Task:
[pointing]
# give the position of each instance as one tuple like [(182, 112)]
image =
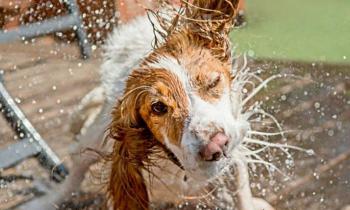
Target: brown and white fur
[(172, 112)]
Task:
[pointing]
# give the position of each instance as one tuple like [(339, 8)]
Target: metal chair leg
[(84, 45), (31, 137), (72, 20)]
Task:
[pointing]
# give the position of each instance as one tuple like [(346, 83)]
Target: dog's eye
[(159, 108), (215, 82)]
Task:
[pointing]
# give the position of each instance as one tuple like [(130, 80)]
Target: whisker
[(253, 162), (260, 87), (245, 62), (269, 166), (243, 83), (256, 77), (262, 112), (250, 152), (276, 145), (259, 133)]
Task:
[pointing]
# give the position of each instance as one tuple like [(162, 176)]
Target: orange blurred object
[(241, 5), (128, 9), (10, 11)]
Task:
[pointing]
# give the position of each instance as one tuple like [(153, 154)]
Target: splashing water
[(257, 141)]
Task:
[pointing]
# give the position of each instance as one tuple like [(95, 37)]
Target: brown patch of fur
[(127, 187), (199, 62), (137, 133), (209, 76), (164, 87)]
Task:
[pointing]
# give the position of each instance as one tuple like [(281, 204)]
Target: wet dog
[(171, 113)]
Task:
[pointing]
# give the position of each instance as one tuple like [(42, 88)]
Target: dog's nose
[(215, 149)]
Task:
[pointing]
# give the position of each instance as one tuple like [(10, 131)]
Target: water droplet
[(251, 53), (310, 152), (18, 101), (289, 162), (317, 105), (331, 133)]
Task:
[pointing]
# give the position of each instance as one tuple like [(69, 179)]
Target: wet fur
[(134, 143), (135, 147)]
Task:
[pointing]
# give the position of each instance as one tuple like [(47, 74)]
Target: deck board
[(47, 79)]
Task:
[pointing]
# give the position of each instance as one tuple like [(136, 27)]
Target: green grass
[(311, 30)]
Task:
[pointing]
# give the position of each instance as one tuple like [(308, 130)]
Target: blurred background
[(47, 77)]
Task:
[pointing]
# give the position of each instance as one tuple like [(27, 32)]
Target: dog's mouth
[(172, 157)]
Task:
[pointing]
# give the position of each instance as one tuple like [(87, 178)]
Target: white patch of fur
[(127, 46), (207, 119)]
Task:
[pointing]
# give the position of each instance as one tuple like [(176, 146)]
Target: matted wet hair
[(209, 20)]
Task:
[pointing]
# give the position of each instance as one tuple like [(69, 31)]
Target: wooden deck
[(47, 80)]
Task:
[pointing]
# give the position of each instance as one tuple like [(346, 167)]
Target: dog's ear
[(126, 187), (211, 21), (132, 146)]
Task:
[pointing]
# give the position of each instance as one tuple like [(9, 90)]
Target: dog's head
[(179, 99)]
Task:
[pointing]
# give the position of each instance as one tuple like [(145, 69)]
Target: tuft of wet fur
[(206, 21)]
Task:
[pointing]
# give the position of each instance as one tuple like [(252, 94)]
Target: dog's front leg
[(245, 196)]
